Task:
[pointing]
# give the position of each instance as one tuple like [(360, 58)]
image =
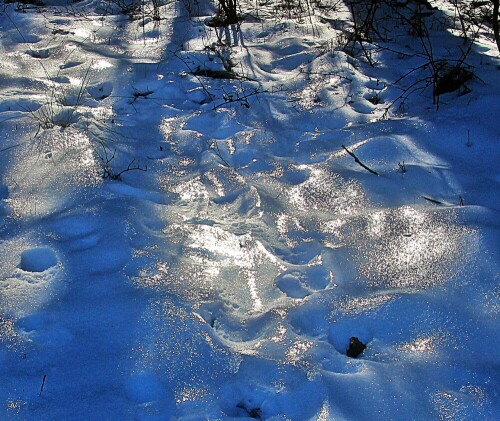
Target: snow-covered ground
[(177, 246)]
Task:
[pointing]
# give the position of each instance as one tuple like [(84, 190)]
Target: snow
[(183, 247), (37, 259)]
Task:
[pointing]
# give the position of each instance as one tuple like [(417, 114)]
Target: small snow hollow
[(38, 259)]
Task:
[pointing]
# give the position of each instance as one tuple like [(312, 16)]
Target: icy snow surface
[(175, 246)]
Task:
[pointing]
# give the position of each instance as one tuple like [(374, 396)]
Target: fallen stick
[(43, 384), (437, 202), (356, 159)]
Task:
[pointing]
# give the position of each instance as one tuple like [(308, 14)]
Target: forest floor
[(195, 221)]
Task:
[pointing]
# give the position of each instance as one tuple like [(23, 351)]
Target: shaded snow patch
[(38, 259)]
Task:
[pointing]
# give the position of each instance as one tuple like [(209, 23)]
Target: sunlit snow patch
[(227, 258), (101, 65), (28, 276), (58, 161), (326, 191), (411, 247)]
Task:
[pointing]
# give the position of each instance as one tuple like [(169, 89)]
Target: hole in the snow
[(38, 259)]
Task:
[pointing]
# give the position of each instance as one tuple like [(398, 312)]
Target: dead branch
[(356, 159)]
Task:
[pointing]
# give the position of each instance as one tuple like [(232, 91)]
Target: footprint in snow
[(231, 328), (152, 398), (373, 98), (362, 106), (291, 285), (60, 79), (27, 39), (375, 84), (302, 254), (42, 328), (264, 391), (75, 226), (41, 54), (106, 256), (38, 259), (80, 230), (100, 91), (62, 116), (146, 387), (310, 319), (300, 284)]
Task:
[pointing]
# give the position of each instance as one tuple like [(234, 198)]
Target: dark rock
[(355, 348)]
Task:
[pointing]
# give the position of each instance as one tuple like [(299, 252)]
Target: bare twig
[(10, 147), (215, 147), (356, 159), (240, 97), (43, 384)]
